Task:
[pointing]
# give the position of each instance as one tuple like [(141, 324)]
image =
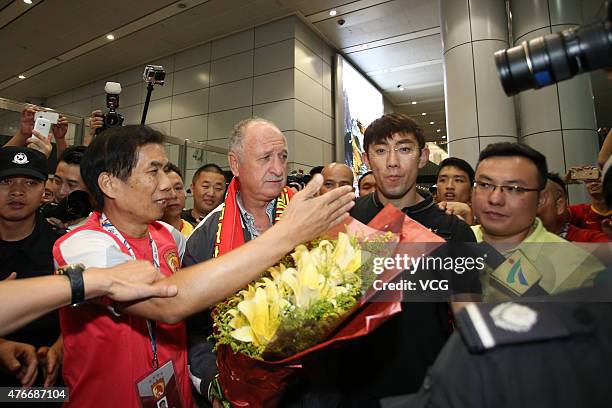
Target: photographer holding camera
[(71, 203), (95, 122)]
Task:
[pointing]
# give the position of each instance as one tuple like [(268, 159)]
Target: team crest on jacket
[(172, 260)]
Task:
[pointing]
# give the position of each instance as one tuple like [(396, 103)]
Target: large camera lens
[(112, 119), (546, 60), (76, 205)]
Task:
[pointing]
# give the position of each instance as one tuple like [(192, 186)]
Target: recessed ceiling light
[(22, 76), (401, 88), (27, 1), (438, 130), (443, 136), (431, 123), (423, 114), (414, 102), (333, 12), (110, 37)]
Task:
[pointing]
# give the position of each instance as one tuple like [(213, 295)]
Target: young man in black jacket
[(394, 359)]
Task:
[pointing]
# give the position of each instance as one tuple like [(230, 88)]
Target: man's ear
[(561, 205), (108, 184), (364, 157), (541, 198), (232, 158), (424, 158)]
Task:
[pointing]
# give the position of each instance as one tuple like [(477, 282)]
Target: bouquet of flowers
[(314, 297)]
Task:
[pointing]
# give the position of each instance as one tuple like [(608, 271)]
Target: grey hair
[(235, 139)]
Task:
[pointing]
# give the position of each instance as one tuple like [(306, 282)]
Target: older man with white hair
[(255, 200)]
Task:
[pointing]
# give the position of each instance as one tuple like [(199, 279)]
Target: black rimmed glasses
[(509, 190)]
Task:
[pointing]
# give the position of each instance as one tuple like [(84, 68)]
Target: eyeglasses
[(512, 191), (404, 151)]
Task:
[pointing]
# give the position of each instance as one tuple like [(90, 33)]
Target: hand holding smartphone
[(52, 117), (43, 126), (584, 174)]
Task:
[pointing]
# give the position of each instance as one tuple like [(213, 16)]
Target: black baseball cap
[(22, 161)]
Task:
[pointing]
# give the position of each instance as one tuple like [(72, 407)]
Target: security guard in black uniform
[(524, 355), (26, 242)]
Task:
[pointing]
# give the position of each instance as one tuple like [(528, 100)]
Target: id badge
[(159, 389)]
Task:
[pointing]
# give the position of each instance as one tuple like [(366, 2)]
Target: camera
[(154, 74), (556, 57), (75, 206), (112, 118), (341, 22)]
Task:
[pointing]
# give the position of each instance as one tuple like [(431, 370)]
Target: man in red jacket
[(555, 215), (591, 216)]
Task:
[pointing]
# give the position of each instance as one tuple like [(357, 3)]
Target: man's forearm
[(60, 145), (27, 299), (17, 140), (203, 285)]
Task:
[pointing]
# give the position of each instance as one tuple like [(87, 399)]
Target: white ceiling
[(394, 42)]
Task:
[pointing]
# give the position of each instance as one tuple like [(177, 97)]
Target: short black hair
[(73, 155), (115, 151), (556, 178), (171, 167), (460, 164), (507, 149), (387, 125), (316, 170), (210, 168), (367, 173)]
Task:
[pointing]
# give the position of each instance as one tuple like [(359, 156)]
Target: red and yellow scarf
[(229, 230)]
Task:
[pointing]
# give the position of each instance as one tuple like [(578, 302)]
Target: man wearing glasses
[(394, 359), (508, 185)]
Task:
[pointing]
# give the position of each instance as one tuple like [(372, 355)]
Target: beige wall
[(280, 71)]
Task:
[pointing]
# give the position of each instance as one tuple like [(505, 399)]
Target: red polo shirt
[(105, 355), (585, 216), (575, 234)]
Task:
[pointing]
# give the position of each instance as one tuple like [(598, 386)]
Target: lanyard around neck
[(108, 226)]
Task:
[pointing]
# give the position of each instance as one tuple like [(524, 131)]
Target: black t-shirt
[(394, 359), (187, 216), (32, 257)]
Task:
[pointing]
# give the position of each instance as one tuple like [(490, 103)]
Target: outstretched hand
[(308, 215), (133, 280)]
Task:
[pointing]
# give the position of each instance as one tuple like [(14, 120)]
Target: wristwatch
[(74, 273)]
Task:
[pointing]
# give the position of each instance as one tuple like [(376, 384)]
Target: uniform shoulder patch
[(487, 326)]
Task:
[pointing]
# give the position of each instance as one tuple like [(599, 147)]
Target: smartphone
[(52, 117), (43, 126), (584, 173)]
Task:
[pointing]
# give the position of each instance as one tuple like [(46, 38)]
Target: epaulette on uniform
[(488, 326)]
